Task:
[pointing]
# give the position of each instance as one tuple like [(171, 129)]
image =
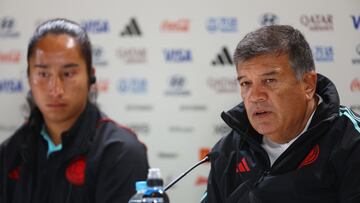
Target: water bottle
[(155, 192), (140, 189)]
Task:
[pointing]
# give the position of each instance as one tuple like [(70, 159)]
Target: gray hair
[(277, 39)]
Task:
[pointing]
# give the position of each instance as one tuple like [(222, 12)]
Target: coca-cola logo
[(355, 85)]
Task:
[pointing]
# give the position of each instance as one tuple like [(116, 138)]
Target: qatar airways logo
[(317, 22), (355, 85), (10, 57), (132, 55), (223, 84), (180, 25)]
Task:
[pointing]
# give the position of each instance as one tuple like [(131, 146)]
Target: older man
[(291, 141)]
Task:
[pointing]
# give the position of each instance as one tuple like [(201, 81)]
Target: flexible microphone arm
[(207, 158)]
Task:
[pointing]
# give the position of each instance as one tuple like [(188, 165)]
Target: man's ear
[(309, 84)]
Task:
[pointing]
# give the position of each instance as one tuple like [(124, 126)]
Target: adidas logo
[(223, 58), (131, 29), (242, 167)]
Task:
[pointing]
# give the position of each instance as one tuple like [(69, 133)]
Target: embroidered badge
[(311, 157), (75, 172), (15, 174)]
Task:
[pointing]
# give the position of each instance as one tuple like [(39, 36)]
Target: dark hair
[(60, 26), (277, 39)]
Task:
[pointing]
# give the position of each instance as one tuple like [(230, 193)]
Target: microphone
[(206, 159)]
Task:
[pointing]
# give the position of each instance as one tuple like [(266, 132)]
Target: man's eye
[(268, 81), (43, 74), (244, 84), (68, 74)]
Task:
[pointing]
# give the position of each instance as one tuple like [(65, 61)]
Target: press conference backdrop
[(165, 68)]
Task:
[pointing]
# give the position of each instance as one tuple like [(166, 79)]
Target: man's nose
[(56, 86), (257, 93)]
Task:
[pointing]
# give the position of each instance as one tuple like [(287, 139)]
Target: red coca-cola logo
[(355, 85)]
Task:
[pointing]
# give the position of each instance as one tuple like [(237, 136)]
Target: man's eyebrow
[(40, 65), (240, 77), (71, 65), (274, 72)]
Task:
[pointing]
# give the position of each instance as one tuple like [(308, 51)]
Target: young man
[(68, 151), (291, 140)]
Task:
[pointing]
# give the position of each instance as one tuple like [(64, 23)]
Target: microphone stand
[(186, 172)]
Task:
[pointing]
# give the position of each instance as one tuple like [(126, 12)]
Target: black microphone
[(207, 158)]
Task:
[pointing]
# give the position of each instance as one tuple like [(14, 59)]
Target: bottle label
[(153, 200)]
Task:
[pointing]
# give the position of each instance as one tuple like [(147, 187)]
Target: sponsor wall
[(165, 69)]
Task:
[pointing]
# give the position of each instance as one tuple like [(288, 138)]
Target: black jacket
[(322, 165), (99, 162)]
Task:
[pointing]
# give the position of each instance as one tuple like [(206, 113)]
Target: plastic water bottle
[(140, 189), (155, 191)]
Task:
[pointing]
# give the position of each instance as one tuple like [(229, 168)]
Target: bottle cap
[(154, 173)]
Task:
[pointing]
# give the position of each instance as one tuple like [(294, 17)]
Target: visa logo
[(95, 26), (11, 86), (356, 21), (177, 55)]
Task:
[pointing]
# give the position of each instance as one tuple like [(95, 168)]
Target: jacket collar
[(75, 141)]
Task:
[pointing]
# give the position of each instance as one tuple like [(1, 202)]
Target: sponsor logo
[(139, 107), (221, 129), (7, 27), (177, 55), (201, 180), (222, 24), (269, 19), (102, 85), (223, 85), (98, 56), (223, 58), (355, 107), (192, 107), (11, 86), (10, 57), (132, 55), (177, 86), (132, 85), (95, 26), (203, 152), (132, 29), (181, 129), (242, 166), (355, 85), (317, 22), (181, 25), (356, 21), (356, 60), (167, 155), (323, 53), (139, 128)]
